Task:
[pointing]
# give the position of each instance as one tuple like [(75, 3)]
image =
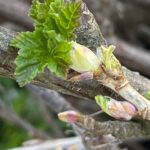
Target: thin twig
[(46, 114), (16, 12), (10, 116)]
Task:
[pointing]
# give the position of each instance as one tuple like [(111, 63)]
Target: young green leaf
[(63, 18), (49, 45)]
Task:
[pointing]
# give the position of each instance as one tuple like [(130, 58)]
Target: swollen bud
[(83, 59), (121, 110), (69, 116)]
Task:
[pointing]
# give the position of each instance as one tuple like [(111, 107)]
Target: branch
[(82, 89), (16, 11), (10, 116), (132, 57), (45, 113), (67, 143), (133, 28), (119, 129), (53, 100)]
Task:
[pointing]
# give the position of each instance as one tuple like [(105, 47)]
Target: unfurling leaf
[(49, 45), (110, 62), (121, 110)]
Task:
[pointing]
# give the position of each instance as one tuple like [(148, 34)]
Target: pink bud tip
[(69, 116)]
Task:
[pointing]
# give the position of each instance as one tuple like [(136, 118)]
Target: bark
[(16, 11), (120, 130), (53, 100), (86, 89), (67, 143)]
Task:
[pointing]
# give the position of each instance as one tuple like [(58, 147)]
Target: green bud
[(121, 110), (83, 59)]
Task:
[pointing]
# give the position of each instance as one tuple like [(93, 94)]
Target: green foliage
[(49, 45), (11, 136), (102, 101), (147, 95)]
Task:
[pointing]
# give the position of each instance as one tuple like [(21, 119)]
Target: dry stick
[(46, 114), (140, 83), (144, 3), (133, 57), (55, 102), (73, 143), (10, 116), (49, 118), (16, 11)]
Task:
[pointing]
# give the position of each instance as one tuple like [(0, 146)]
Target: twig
[(58, 104), (119, 129), (46, 114), (133, 57), (10, 116), (53, 100), (16, 11), (72, 143)]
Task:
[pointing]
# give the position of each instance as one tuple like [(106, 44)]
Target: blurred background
[(31, 113)]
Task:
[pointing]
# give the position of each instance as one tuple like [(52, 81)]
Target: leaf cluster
[(48, 46)]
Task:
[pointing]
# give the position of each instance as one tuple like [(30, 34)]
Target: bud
[(121, 110), (69, 116), (111, 63), (83, 59)]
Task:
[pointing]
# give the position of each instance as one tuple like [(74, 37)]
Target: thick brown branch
[(121, 130), (16, 11), (86, 89)]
